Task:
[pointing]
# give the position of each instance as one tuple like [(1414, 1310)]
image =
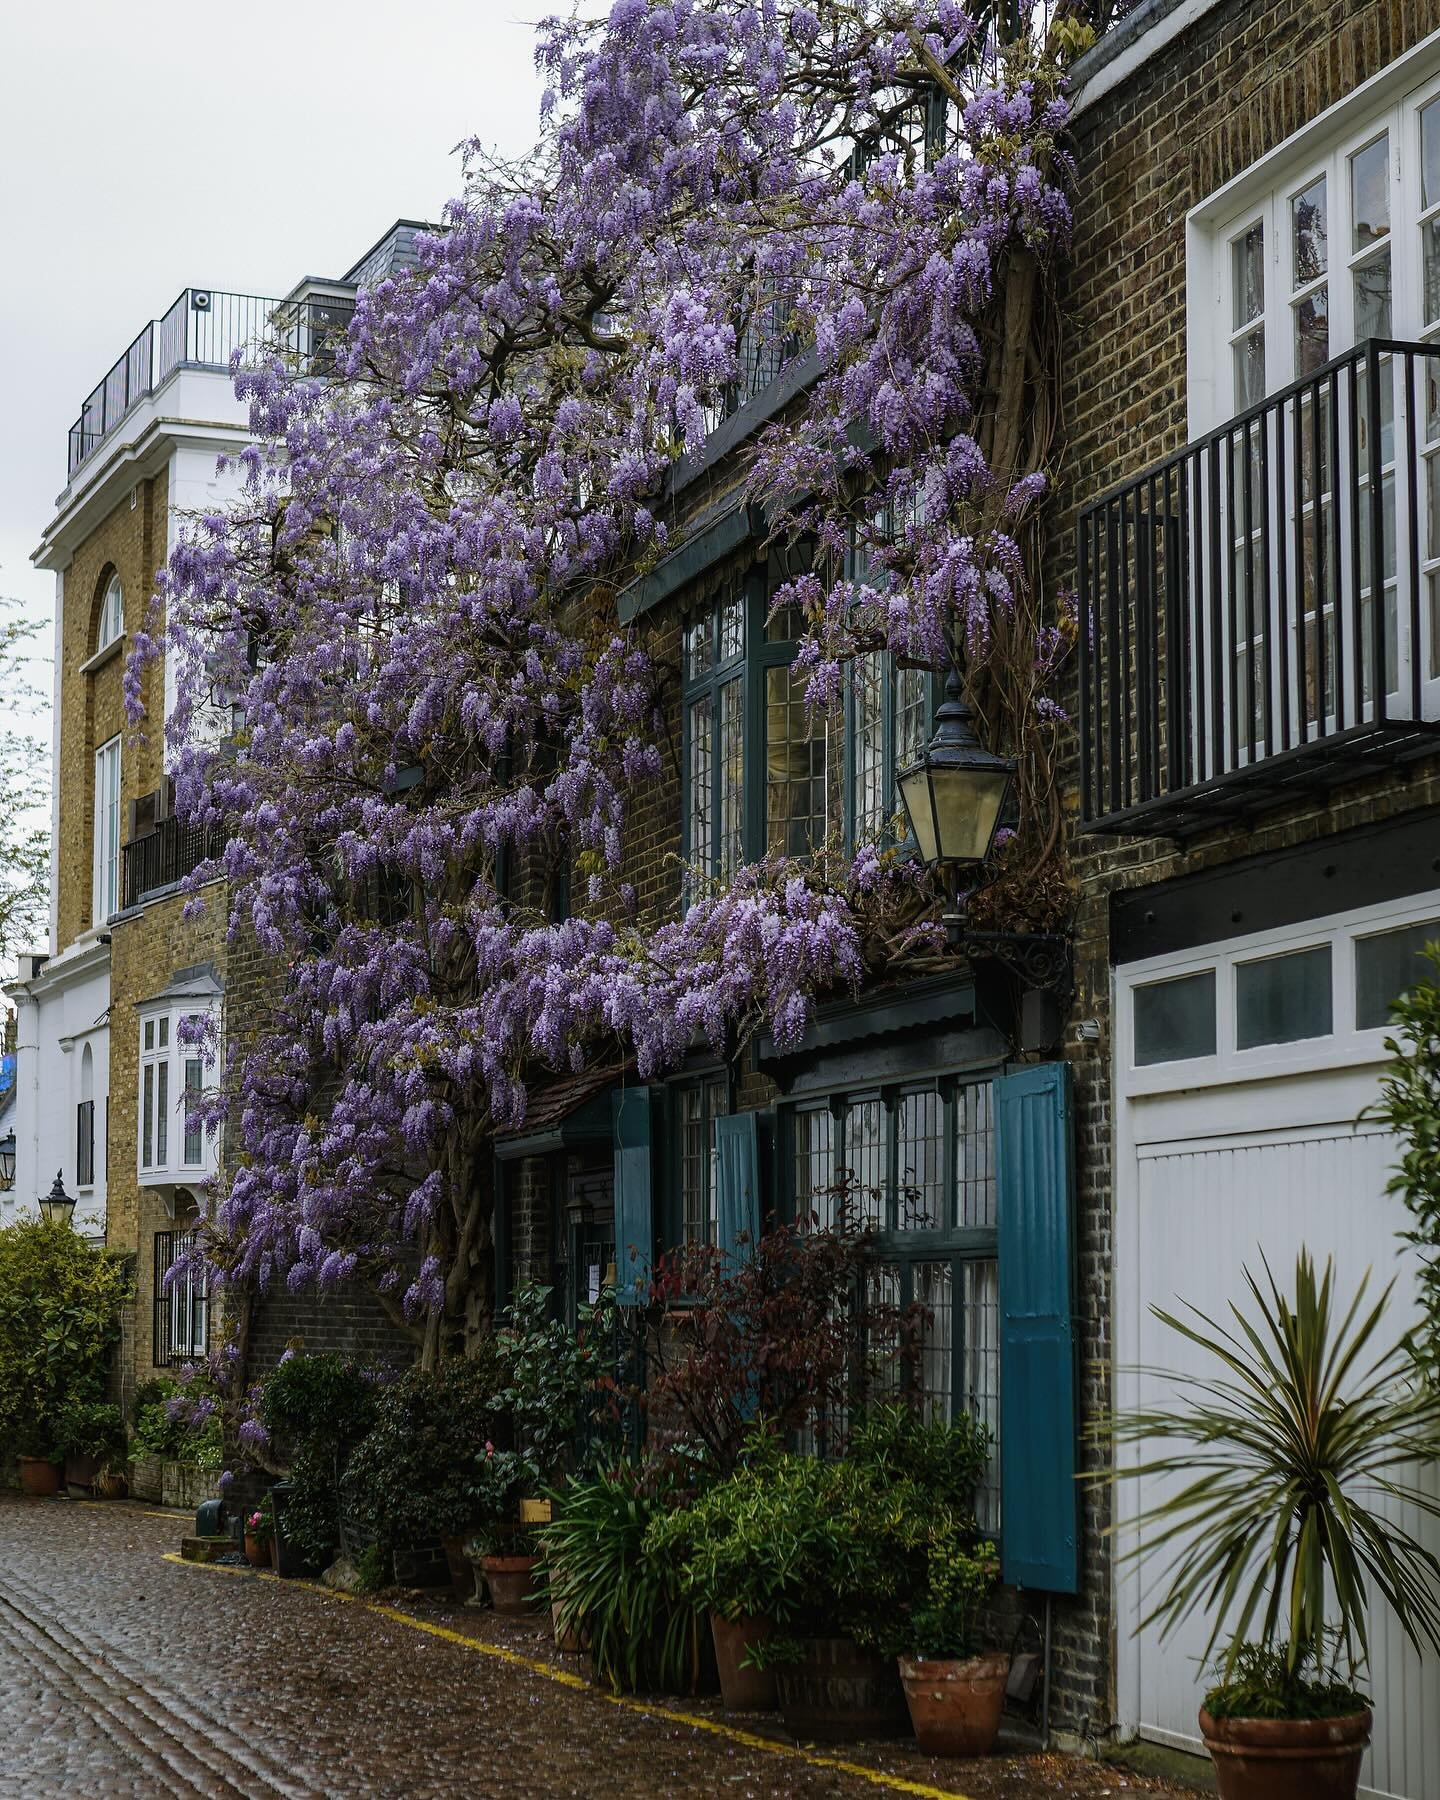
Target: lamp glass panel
[(967, 809), (915, 792)]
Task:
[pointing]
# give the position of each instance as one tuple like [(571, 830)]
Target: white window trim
[(1346, 1046), (1397, 90), (173, 1169), (105, 636), (106, 845)]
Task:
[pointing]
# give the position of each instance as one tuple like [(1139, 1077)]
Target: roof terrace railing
[(203, 330)]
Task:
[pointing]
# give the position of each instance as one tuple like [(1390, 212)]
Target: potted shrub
[(40, 1468), (60, 1308), (954, 1688), (416, 1479), (1276, 1461), (723, 1551), (626, 1604), (259, 1530), (90, 1434)]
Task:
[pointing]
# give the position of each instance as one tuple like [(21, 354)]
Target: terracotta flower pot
[(955, 1703), (510, 1579), (257, 1551), (743, 1689), (39, 1477), (1287, 1759), (840, 1691), (110, 1485)]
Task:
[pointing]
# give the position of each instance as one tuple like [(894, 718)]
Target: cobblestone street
[(122, 1673)]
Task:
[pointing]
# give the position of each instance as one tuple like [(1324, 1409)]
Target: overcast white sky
[(148, 147)]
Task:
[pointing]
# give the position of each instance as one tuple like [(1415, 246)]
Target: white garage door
[(1209, 1178)]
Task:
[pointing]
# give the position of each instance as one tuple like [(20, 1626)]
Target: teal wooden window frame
[(712, 1087), (715, 677), (967, 1252)]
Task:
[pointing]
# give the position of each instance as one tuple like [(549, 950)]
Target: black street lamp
[(57, 1206), (7, 1161), (955, 795)]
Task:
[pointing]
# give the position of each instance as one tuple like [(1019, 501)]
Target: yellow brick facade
[(130, 542)]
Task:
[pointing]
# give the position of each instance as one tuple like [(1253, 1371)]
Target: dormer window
[(112, 615)]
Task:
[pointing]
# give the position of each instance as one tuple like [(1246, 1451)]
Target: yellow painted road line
[(750, 1740)]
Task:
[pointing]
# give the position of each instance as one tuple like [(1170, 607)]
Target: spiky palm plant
[(1286, 1456)]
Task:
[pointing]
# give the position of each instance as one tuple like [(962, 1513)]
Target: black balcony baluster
[(1259, 610)]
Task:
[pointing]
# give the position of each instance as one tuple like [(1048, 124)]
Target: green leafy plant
[(60, 1303), (260, 1524), (641, 1631), (1409, 1105), (419, 1474), (1264, 1681), (315, 1409), (880, 1546), (960, 1576), (1279, 1458), (179, 1421), (558, 1385), (91, 1428)]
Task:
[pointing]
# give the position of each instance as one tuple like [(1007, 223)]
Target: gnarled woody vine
[(400, 676)]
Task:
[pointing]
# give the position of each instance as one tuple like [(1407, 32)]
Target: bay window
[(173, 1142)]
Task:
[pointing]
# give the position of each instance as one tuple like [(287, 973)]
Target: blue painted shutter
[(737, 1185), (1035, 1184), (632, 1115)]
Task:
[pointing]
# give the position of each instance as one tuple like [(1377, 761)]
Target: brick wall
[(147, 949), (1235, 84), (129, 542)]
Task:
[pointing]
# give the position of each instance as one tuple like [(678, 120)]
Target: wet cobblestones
[(122, 1674)]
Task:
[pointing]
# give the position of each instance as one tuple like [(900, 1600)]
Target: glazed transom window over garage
[(915, 1162), (1316, 995)]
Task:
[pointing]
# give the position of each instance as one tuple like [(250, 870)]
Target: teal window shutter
[(632, 1115), (737, 1185), (1035, 1185)]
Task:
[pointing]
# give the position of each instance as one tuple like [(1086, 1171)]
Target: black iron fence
[(204, 329), (161, 857), (1260, 612)]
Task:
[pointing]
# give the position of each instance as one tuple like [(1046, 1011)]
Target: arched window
[(112, 614), (85, 1123)]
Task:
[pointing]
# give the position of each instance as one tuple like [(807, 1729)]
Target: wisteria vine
[(405, 704)]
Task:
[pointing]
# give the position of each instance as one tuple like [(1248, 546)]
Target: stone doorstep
[(205, 1549)]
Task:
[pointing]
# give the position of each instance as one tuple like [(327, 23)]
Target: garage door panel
[(1201, 1208)]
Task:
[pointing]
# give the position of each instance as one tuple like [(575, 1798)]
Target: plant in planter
[(626, 1604), (796, 1335), (314, 1410), (417, 1477), (954, 1687), (259, 1531), (836, 1558), (60, 1305), (1279, 1459), (90, 1435)]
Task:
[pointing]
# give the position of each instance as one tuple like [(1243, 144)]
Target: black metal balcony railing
[(203, 329), (163, 856), (1230, 635)]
